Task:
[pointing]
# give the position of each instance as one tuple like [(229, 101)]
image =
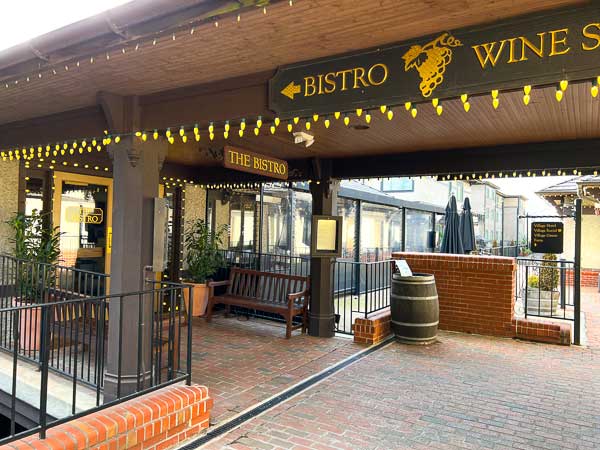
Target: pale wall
[(590, 241), (9, 202)]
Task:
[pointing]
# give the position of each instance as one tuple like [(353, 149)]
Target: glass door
[(82, 207)]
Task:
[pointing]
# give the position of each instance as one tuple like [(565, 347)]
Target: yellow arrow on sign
[(291, 89)]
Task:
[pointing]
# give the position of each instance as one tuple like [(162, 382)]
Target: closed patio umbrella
[(467, 229), (452, 240)]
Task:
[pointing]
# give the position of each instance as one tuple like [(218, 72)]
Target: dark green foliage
[(202, 246), (549, 273)]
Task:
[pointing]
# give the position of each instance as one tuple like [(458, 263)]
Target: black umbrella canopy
[(467, 229), (452, 240)]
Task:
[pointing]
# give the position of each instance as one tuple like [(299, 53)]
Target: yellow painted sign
[(82, 214), (246, 161)]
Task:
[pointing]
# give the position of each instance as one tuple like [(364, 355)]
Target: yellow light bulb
[(413, 113), (368, 118), (184, 138), (559, 95), (168, 133), (211, 128), (259, 122), (359, 112), (256, 131), (226, 134), (383, 109), (307, 125), (243, 124), (290, 127), (144, 137), (526, 99), (464, 98), (390, 114), (495, 93), (277, 121), (227, 126), (197, 137), (315, 117), (118, 139), (171, 140), (327, 123), (439, 110), (272, 129), (241, 132), (563, 85), (71, 151), (435, 102), (346, 120), (496, 103), (467, 106), (594, 90), (181, 132), (337, 115), (65, 146), (211, 136), (138, 133), (296, 120), (407, 106)]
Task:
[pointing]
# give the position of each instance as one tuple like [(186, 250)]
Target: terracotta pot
[(200, 296), (30, 327)]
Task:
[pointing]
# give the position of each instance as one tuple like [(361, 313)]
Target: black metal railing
[(543, 290), (359, 289), (512, 251), (30, 283), (72, 341), (268, 262)]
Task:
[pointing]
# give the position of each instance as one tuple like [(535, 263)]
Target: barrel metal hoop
[(405, 324), (402, 297)]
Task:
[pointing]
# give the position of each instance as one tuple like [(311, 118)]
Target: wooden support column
[(322, 314), (136, 169)]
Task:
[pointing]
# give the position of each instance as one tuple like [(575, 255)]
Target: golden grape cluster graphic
[(430, 61)]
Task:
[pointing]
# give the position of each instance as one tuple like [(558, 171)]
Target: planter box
[(543, 303)]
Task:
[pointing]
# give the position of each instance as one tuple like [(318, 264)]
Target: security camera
[(302, 137)]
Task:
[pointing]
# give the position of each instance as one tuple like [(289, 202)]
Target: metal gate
[(550, 287)]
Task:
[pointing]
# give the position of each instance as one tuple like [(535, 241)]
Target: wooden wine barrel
[(415, 308)]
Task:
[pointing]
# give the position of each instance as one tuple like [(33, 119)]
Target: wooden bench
[(278, 293)]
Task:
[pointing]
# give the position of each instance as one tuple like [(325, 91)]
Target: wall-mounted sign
[(246, 161), (547, 237), (326, 236), (538, 49), (83, 214)]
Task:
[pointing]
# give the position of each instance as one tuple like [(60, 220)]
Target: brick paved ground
[(463, 392), (245, 362)]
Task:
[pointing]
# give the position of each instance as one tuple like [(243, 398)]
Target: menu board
[(547, 237)]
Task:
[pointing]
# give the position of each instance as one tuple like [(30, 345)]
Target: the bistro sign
[(246, 161), (532, 50)]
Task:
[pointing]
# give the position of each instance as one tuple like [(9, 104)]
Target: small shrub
[(549, 274), (533, 281)]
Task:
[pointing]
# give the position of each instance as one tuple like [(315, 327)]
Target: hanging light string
[(248, 127), (168, 35)]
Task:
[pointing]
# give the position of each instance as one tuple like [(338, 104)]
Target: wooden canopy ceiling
[(178, 81)]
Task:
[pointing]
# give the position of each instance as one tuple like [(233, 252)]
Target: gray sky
[(23, 20), (527, 187)]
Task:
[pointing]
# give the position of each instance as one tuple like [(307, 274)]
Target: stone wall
[(9, 201)]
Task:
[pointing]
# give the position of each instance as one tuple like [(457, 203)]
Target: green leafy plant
[(37, 249), (549, 274), (533, 281), (202, 246)]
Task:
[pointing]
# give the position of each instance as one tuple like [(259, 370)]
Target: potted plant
[(37, 249), (543, 296), (202, 260)]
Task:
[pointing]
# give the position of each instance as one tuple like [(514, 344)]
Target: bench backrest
[(265, 286)]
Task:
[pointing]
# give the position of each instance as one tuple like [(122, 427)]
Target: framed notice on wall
[(326, 236)]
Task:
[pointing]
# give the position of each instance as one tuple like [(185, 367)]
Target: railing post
[(366, 289), (526, 287), (577, 271), (563, 284), (45, 345), (188, 380)]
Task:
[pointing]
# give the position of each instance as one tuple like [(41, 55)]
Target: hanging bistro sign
[(537, 49), (547, 237), (246, 161)]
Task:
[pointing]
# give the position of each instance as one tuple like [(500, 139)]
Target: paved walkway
[(466, 391), (244, 362)]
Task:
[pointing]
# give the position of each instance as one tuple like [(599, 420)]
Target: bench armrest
[(218, 283), (296, 295)]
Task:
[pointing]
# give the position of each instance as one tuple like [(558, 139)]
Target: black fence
[(267, 262), (512, 251), (68, 336), (545, 288), (359, 289)]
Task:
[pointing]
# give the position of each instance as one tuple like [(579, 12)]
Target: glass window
[(242, 216), (380, 231), (34, 195), (418, 226), (276, 220), (347, 209), (302, 223), (398, 185)]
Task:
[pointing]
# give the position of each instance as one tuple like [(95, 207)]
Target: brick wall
[(589, 277), (476, 293), (159, 420), (374, 328)]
